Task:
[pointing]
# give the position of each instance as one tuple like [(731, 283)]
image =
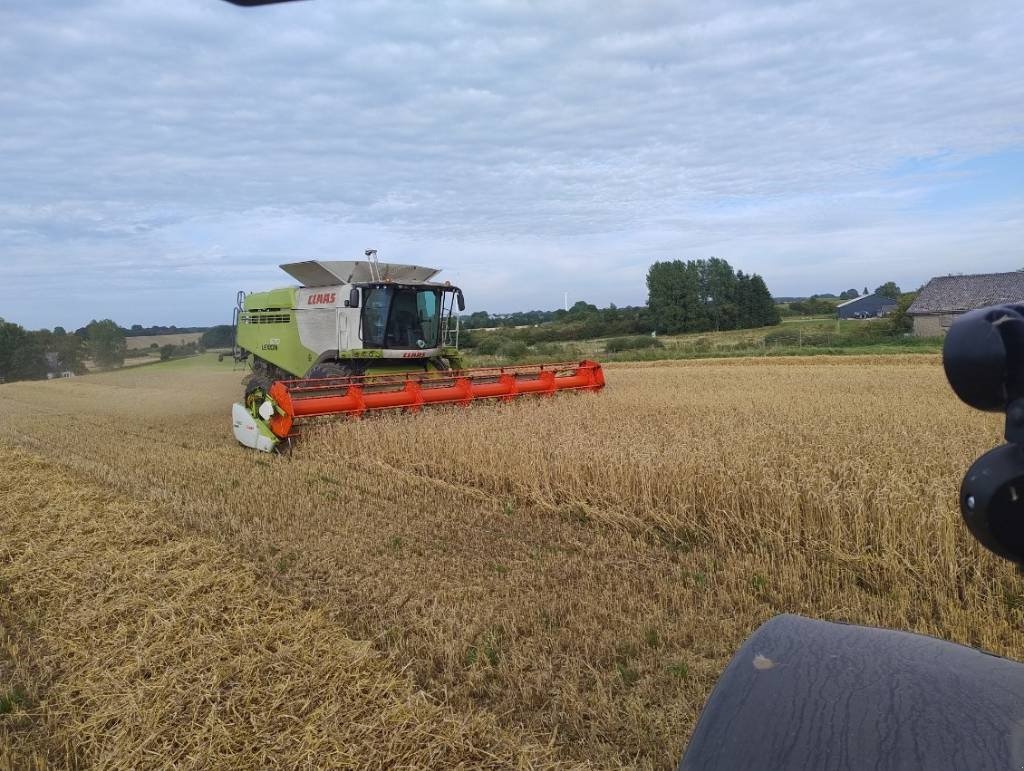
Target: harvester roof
[(332, 272)]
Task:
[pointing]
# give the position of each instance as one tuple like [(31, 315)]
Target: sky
[(157, 157)]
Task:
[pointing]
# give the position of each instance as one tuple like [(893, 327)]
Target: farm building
[(946, 297), (867, 306), (55, 367)]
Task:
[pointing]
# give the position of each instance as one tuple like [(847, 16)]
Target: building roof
[(864, 297), (953, 294), (847, 302)]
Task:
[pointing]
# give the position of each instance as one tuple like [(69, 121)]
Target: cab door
[(342, 340)]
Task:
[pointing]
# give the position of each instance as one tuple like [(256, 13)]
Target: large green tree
[(106, 343), (21, 356), (70, 350), (220, 336), (813, 306), (718, 284), (744, 301), (674, 299), (703, 295), (901, 321), (890, 290), (763, 310)]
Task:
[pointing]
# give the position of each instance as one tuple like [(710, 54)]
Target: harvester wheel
[(265, 370), (333, 369), (256, 391)]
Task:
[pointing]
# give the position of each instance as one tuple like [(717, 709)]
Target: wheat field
[(546, 583)]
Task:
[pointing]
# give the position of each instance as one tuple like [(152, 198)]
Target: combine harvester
[(366, 336)]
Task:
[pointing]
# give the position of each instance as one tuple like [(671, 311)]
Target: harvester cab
[(359, 336), (345, 317)]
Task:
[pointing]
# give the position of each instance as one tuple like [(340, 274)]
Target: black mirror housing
[(983, 355), (992, 501)]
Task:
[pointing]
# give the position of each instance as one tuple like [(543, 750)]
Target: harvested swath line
[(161, 650), (25, 741)]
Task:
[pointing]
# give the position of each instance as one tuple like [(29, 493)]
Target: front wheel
[(256, 391), (333, 369)]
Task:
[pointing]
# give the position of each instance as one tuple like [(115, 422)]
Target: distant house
[(55, 368), (946, 297), (53, 364), (867, 306)]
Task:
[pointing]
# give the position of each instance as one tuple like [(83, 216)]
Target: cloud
[(181, 150)]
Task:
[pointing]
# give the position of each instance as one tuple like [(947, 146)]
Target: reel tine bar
[(355, 395)]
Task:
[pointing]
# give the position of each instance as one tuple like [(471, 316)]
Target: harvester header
[(288, 403), (361, 336)]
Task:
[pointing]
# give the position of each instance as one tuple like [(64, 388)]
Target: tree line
[(583, 321), (825, 305), (707, 295), (41, 353), (137, 330), (34, 354), (683, 296)]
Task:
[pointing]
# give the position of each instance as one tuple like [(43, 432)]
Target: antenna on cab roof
[(371, 255)]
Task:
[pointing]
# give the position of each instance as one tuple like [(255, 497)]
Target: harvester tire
[(265, 370), (332, 369), (256, 390)]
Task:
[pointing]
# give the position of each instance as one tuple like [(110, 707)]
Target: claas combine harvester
[(365, 336)]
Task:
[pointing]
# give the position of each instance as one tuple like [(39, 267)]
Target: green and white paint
[(385, 315)]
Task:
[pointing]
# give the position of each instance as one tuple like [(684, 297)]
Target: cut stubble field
[(554, 582)]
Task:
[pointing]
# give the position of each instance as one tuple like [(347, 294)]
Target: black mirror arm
[(1014, 429)]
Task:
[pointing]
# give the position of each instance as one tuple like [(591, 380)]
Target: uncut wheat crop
[(549, 582)]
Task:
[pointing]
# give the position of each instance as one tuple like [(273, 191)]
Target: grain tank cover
[(333, 272)]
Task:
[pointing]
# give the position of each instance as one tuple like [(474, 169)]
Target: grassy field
[(147, 341), (542, 583), (793, 337)]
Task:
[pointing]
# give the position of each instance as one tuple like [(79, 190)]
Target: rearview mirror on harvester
[(460, 300), (353, 298), (983, 356)]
